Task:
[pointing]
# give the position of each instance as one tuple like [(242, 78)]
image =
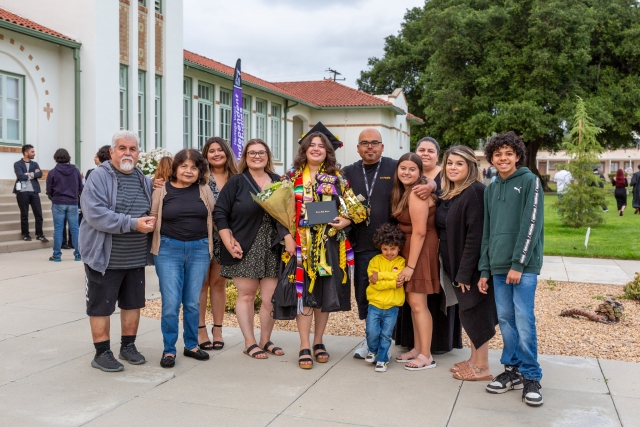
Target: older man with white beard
[(115, 248)]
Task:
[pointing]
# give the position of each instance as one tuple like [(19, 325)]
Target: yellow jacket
[(384, 294)]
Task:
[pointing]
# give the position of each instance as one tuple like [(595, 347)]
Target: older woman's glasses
[(256, 154), (369, 143)]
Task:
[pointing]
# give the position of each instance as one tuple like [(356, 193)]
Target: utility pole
[(335, 74)]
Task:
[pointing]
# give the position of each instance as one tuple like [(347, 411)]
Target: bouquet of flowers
[(355, 209), (278, 200), (148, 162)]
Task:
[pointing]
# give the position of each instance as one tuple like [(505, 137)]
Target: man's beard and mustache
[(127, 164)]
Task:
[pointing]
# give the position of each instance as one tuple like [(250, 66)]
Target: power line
[(335, 74)]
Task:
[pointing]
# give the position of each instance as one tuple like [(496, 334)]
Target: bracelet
[(410, 267)]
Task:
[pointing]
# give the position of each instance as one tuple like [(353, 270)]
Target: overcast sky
[(290, 40)]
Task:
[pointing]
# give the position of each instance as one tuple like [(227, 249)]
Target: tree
[(473, 68), (581, 205)]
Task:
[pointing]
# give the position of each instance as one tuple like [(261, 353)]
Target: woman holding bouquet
[(222, 166), (324, 252), (250, 238)]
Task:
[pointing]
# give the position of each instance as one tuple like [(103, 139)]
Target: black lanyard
[(373, 182)]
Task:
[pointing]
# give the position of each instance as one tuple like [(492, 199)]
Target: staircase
[(10, 235)]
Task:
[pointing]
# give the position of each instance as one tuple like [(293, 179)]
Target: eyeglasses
[(256, 154), (373, 144)]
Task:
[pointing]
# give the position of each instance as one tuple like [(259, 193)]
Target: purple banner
[(237, 115)]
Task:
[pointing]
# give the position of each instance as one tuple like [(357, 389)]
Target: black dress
[(447, 330), (477, 311), (620, 193), (635, 183)]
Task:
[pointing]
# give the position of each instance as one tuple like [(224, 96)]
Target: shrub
[(632, 289)]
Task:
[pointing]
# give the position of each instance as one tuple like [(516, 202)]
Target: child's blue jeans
[(518, 323), (380, 324)]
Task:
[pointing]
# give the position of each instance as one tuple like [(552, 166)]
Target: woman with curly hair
[(323, 277), (621, 183)]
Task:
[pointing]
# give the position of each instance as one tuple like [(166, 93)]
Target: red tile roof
[(327, 93), (5, 15), (415, 118)]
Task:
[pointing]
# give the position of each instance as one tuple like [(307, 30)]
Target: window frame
[(21, 109), (157, 5), (187, 95), (246, 112), (261, 117), (124, 97), (275, 131), (225, 115), (203, 105), (142, 109), (157, 110)]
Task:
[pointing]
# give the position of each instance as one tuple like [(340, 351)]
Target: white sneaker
[(370, 358), (361, 351), (381, 367)]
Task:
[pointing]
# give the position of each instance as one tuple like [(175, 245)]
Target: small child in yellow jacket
[(385, 293)]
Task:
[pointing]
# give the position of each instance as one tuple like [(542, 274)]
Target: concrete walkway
[(589, 270), (46, 378)]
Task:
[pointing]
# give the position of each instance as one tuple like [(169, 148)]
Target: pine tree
[(581, 204)]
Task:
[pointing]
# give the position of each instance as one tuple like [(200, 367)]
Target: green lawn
[(618, 237)]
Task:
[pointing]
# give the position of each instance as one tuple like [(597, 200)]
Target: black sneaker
[(168, 361), (198, 354), (531, 393), (26, 238), (106, 362), (131, 354), (510, 379), (43, 239)]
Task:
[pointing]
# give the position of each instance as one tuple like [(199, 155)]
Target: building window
[(205, 113), (261, 119), (123, 97), (142, 3), (246, 112), (275, 130), (186, 112), (11, 108), (158, 6), (614, 167), (158, 112), (142, 113), (225, 114), (553, 165)]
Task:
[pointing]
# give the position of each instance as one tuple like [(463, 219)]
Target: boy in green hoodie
[(512, 243)]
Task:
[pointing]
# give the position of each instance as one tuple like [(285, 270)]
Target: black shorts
[(125, 286)]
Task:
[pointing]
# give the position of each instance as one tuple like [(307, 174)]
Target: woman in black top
[(182, 247), (621, 184), (460, 220), (250, 238)]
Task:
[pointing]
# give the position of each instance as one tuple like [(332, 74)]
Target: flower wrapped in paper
[(277, 200), (355, 209)]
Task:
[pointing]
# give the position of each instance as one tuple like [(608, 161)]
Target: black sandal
[(305, 352), (207, 344), (257, 353), (216, 345), (273, 350), (321, 356)]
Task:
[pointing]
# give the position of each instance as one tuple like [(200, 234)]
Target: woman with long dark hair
[(620, 193), (416, 218), (323, 251), (460, 221), (222, 166), (251, 245)]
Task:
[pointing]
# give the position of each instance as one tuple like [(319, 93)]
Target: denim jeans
[(181, 268), (518, 323), (60, 214), (380, 324), (361, 280)]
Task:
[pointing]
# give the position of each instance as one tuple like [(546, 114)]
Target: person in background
[(460, 219), (621, 183), (251, 241), (163, 172), (512, 255), (635, 183), (385, 294), (182, 248), (27, 191), (222, 166), (562, 179), (484, 174), (101, 156), (64, 186), (600, 182), (115, 249)]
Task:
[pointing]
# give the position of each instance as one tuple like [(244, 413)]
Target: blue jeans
[(181, 268), (380, 324), (60, 213), (518, 323)]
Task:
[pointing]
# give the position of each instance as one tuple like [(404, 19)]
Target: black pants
[(26, 199), (361, 280), (66, 234)]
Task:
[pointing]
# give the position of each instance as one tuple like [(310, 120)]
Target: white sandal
[(427, 363)]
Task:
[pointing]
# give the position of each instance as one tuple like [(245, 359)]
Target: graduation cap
[(319, 127)]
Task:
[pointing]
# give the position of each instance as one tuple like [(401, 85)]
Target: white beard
[(126, 164)]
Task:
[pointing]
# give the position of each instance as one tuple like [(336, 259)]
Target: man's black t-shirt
[(380, 203)]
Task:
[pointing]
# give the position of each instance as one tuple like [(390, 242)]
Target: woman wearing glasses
[(249, 237)]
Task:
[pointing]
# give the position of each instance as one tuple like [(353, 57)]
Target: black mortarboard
[(319, 127)]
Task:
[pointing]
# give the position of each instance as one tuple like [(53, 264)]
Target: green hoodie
[(513, 234)]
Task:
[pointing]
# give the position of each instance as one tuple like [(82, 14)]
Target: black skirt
[(621, 196)]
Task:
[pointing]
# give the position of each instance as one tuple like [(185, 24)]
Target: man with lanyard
[(372, 182)]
